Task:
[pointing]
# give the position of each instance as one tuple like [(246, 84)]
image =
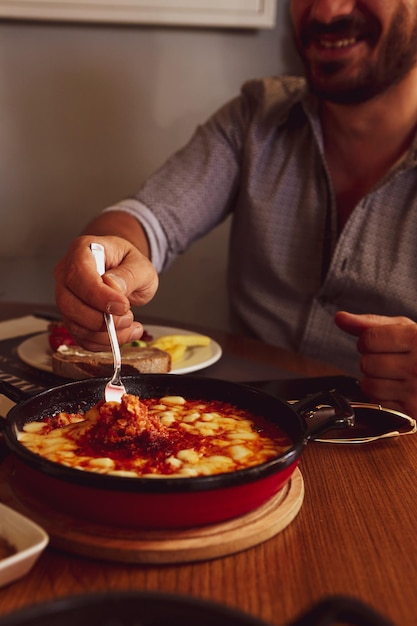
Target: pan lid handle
[(324, 411)]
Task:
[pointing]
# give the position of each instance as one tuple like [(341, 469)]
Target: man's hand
[(388, 348), (82, 295)]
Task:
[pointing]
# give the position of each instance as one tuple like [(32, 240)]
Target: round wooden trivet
[(77, 535)]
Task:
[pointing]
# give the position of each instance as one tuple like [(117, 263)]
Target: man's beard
[(396, 57)]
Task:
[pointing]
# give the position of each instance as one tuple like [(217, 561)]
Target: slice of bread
[(77, 363)]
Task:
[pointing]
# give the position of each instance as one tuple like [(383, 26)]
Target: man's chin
[(347, 93), (349, 97), (331, 86)]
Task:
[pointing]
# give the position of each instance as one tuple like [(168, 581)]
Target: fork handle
[(98, 252), (117, 357), (99, 256)]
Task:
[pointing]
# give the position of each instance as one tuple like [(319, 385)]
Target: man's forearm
[(120, 224)]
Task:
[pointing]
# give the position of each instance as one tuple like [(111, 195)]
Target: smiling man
[(320, 176)]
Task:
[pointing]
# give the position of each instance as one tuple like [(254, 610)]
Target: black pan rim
[(155, 485), (135, 600)]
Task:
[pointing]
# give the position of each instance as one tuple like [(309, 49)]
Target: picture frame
[(199, 13)]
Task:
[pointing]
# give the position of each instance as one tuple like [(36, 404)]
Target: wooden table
[(354, 535)]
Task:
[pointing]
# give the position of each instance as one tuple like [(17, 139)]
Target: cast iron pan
[(155, 609), (168, 502)]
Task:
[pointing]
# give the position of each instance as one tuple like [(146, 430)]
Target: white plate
[(28, 538), (36, 352)]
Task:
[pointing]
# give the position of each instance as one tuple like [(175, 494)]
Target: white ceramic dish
[(36, 352), (28, 538)]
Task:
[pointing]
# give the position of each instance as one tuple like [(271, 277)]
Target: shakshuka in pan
[(171, 436)]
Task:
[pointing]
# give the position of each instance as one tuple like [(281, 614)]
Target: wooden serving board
[(79, 536)]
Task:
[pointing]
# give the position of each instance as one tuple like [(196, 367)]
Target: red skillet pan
[(167, 502)]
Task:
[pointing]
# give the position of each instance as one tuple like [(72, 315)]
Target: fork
[(114, 389)]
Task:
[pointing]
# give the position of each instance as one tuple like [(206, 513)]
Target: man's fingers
[(355, 324), (396, 338), (83, 295), (385, 365), (97, 339), (388, 348), (379, 333), (134, 276), (129, 279)]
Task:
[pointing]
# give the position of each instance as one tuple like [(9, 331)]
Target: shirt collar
[(310, 104)]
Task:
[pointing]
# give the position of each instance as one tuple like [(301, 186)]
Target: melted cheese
[(159, 437)]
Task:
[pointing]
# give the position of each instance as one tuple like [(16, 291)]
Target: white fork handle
[(98, 252)]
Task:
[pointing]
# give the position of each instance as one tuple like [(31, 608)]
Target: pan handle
[(13, 393), (337, 609), (324, 411)]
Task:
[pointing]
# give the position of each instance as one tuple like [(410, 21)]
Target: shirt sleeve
[(203, 182), (155, 234), (195, 189)]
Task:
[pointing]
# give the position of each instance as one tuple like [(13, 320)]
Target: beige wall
[(87, 112)]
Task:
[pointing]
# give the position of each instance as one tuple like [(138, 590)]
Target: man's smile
[(339, 43)]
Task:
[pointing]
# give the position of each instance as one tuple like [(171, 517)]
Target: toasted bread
[(77, 363)]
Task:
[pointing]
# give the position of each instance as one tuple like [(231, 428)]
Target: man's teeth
[(340, 43)]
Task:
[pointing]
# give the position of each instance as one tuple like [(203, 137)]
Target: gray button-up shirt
[(261, 158)]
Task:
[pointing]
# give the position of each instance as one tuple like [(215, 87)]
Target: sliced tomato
[(59, 336)]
